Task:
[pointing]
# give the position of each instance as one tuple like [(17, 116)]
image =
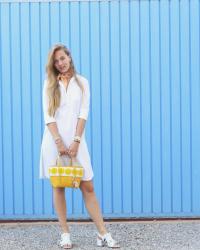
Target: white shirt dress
[(73, 105)]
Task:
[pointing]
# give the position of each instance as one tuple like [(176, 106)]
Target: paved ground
[(155, 235)]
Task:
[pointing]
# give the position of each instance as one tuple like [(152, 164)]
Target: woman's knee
[(87, 187)]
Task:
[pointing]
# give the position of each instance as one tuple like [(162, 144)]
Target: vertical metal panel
[(115, 132), (104, 40), (155, 107), (16, 111), (175, 107), (195, 90), (125, 106), (165, 107), (142, 59), (8, 202), (1, 134), (136, 109), (145, 118), (186, 108)]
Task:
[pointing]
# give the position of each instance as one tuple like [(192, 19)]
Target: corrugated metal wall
[(143, 132)]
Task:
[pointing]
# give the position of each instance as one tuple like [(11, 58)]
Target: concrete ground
[(142, 235)]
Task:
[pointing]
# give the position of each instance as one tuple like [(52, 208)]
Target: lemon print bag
[(66, 176)]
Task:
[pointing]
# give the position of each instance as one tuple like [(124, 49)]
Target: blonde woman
[(66, 99)]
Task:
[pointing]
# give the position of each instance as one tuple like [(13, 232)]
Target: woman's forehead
[(59, 53)]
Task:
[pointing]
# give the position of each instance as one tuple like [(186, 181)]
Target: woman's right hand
[(62, 149)]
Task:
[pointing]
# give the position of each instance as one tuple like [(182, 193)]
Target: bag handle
[(59, 163)]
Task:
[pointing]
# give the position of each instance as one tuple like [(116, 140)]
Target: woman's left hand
[(73, 149)]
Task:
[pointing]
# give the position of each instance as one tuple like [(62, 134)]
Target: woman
[(66, 98)]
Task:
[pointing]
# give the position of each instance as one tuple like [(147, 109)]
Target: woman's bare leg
[(60, 206), (92, 205)]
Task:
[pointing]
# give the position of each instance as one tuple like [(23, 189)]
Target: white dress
[(73, 105)]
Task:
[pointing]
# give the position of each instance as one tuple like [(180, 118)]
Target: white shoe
[(66, 241), (107, 240)]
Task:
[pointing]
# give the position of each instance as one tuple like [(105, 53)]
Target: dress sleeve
[(85, 102), (45, 101)]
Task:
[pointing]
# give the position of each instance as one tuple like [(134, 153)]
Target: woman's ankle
[(65, 230), (102, 232)]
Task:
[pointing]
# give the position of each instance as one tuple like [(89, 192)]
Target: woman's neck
[(66, 76)]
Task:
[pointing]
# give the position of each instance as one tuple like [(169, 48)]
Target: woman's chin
[(64, 71)]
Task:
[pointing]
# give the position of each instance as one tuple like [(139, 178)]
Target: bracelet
[(77, 138)]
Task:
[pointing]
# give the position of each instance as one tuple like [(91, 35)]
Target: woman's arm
[(73, 148), (83, 115), (80, 127), (53, 129), (62, 149)]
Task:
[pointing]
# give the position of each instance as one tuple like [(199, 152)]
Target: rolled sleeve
[(85, 102), (45, 99)]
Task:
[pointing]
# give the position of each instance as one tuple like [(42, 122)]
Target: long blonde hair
[(52, 89)]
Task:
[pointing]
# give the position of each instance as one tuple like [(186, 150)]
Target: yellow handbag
[(65, 176)]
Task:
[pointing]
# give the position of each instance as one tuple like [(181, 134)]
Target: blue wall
[(143, 132)]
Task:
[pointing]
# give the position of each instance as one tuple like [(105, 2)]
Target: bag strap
[(59, 162)]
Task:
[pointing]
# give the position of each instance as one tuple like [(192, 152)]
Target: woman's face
[(61, 61)]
